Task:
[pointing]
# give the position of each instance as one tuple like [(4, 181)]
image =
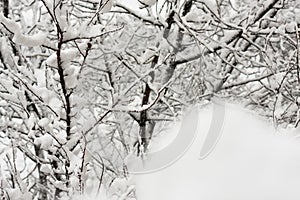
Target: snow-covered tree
[(83, 83)]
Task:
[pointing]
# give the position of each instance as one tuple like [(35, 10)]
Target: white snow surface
[(251, 160)]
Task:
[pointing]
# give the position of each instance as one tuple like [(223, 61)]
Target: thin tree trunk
[(5, 7)]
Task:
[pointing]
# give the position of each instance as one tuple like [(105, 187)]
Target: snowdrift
[(251, 161)]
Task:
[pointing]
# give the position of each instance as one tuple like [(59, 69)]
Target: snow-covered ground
[(250, 161)]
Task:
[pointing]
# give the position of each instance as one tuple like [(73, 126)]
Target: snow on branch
[(19, 38)]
